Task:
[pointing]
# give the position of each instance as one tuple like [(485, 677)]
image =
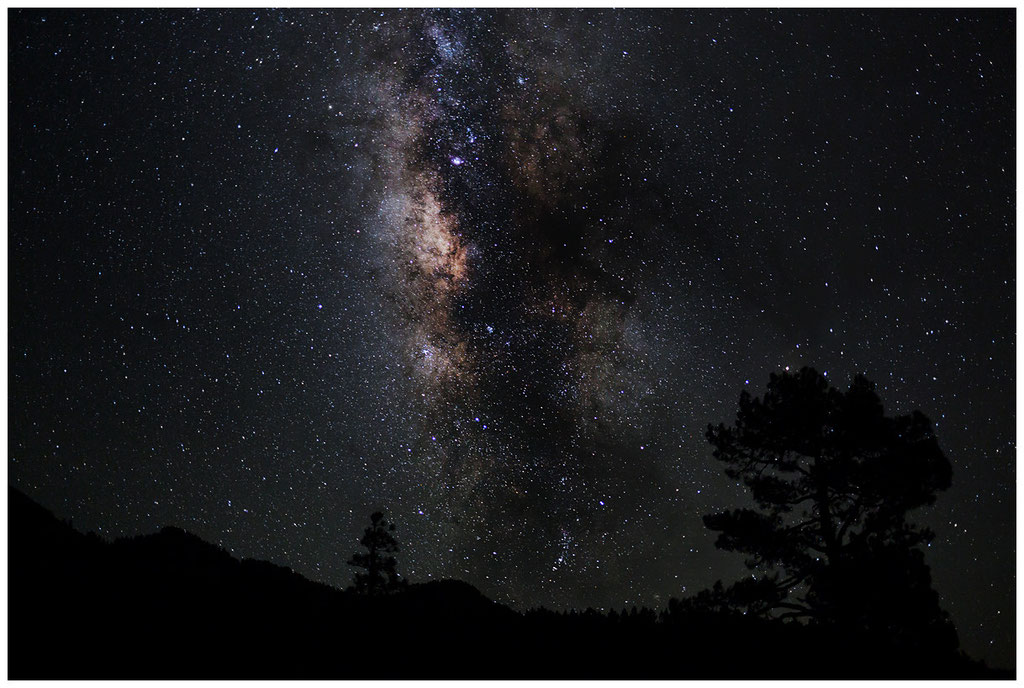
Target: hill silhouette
[(169, 605)]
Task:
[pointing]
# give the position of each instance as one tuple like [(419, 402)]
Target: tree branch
[(795, 607)]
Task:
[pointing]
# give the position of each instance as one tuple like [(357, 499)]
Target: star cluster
[(496, 271)]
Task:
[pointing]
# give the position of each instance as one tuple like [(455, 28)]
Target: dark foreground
[(172, 606)]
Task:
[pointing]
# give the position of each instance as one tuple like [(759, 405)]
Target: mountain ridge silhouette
[(171, 605)]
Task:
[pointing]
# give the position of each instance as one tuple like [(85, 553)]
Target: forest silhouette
[(838, 586)]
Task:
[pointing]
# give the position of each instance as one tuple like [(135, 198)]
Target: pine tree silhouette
[(832, 479), (380, 565)]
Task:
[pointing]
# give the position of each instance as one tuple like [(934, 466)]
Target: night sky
[(495, 273)]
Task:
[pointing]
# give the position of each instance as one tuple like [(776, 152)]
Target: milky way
[(515, 307), (495, 272)]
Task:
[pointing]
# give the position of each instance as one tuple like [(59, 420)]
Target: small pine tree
[(380, 575)]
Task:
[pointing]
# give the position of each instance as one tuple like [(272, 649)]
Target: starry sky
[(496, 271)]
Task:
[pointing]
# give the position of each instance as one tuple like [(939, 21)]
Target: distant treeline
[(172, 606)]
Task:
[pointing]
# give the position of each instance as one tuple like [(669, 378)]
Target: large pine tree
[(832, 479)]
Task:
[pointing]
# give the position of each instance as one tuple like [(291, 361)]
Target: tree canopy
[(832, 479)]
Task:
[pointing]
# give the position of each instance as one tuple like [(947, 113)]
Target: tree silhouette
[(380, 564), (832, 479)]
